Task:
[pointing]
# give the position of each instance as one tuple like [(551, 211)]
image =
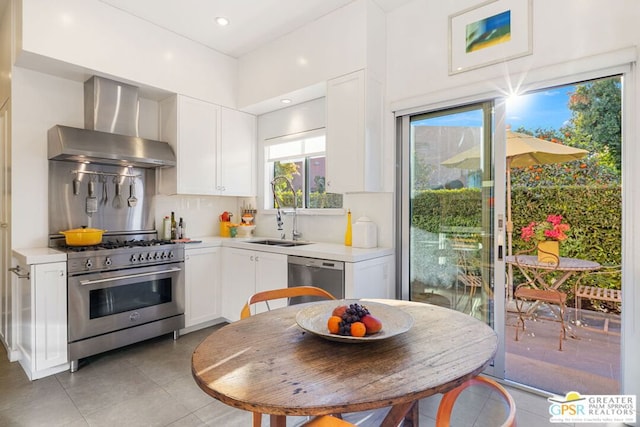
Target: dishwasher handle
[(316, 263)]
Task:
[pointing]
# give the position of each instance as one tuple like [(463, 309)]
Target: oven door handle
[(129, 276)]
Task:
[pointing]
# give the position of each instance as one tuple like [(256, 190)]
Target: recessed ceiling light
[(222, 21), (285, 101)]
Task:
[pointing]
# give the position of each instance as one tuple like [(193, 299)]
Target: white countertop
[(332, 251), (28, 256)]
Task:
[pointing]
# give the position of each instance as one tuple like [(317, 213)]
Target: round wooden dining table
[(266, 363)]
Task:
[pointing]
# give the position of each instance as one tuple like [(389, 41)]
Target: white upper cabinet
[(354, 133), (215, 148), (237, 153), (191, 127)]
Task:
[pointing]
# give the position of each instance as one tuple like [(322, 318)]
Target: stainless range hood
[(82, 145), (111, 129)]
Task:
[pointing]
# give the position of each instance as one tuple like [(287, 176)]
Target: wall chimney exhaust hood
[(92, 146), (111, 129)]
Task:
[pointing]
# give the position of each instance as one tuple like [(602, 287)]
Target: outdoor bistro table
[(531, 268), (266, 363)]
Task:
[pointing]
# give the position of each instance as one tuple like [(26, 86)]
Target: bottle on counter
[(180, 231), (348, 234), (166, 228), (174, 226)]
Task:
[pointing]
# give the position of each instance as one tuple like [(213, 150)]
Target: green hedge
[(594, 214), (433, 209)]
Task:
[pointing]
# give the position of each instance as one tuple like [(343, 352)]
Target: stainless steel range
[(131, 286), (127, 289)]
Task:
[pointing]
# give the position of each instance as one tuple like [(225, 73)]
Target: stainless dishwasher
[(321, 273)]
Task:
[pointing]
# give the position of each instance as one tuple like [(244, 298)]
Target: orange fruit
[(333, 324), (358, 329)]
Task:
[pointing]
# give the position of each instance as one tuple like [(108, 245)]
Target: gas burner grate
[(117, 244)]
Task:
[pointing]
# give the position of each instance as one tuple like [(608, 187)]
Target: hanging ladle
[(132, 201)]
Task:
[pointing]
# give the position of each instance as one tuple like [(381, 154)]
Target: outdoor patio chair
[(531, 291), (470, 276)]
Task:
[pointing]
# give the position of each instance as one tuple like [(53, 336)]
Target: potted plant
[(547, 235)]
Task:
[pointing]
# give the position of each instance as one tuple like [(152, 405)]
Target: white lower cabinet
[(202, 285), (373, 278), (41, 304), (246, 272)]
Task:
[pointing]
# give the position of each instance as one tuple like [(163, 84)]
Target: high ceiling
[(252, 22)]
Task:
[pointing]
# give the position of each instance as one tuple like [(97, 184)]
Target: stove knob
[(88, 264), (171, 255), (108, 262), (156, 255), (164, 255), (149, 256), (134, 258)]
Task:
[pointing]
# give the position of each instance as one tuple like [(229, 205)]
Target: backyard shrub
[(594, 214)]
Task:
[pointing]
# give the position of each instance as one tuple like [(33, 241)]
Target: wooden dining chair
[(327, 421), (443, 417), (274, 294), (445, 409)]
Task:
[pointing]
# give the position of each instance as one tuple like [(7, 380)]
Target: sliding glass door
[(449, 245)]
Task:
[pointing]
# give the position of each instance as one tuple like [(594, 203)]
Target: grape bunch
[(354, 313)]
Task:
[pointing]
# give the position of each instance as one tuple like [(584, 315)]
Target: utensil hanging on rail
[(91, 202), (117, 199), (132, 200), (76, 186), (105, 196)]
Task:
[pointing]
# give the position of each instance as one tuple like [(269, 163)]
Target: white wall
[(92, 35), (417, 46), (329, 47), (39, 101), (563, 32), (5, 51)]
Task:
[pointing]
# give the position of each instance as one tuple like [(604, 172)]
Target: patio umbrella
[(522, 150)]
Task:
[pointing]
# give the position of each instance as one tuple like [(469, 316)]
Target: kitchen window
[(300, 158)]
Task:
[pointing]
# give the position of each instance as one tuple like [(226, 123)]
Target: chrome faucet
[(295, 234)]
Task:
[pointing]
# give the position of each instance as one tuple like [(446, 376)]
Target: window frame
[(267, 171)]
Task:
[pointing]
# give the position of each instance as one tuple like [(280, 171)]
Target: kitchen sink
[(281, 243)]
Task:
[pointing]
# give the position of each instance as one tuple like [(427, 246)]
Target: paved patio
[(589, 362)]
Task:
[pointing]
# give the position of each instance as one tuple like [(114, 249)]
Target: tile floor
[(150, 384)]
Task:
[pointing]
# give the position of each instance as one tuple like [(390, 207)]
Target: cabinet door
[(191, 127), (355, 106), (345, 133), (50, 315), (271, 273), (197, 138), (236, 153), (202, 285), (373, 278), (238, 283)]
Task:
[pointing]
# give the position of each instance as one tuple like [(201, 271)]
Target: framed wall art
[(492, 32)]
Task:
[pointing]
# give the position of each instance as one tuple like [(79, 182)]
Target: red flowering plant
[(551, 229)]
